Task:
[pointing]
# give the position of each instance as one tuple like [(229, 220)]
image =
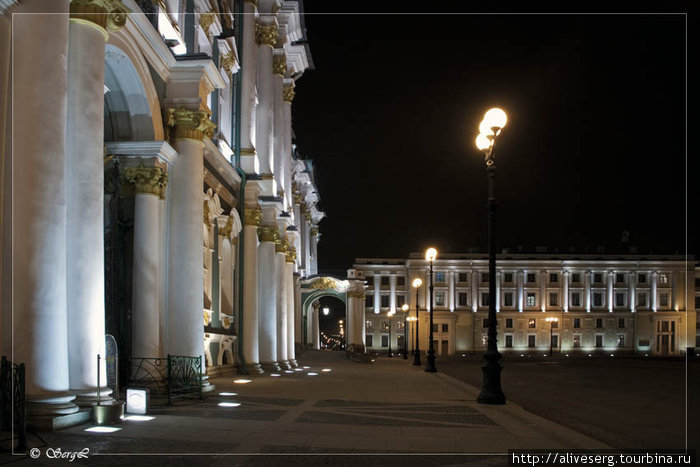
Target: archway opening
[(332, 323)]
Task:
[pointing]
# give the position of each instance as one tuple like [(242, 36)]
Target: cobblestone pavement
[(331, 412)]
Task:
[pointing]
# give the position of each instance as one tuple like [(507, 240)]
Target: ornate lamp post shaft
[(416, 351), (430, 365)]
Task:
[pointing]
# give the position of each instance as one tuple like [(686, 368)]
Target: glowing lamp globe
[(484, 128), (417, 282), (495, 118), (483, 142), (430, 254), (404, 307)]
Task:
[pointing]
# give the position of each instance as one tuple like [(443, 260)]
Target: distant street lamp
[(430, 255), (551, 320), (417, 282), (326, 310), (490, 127), (389, 315), (404, 308)]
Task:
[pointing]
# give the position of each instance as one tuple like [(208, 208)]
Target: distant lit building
[(642, 304)]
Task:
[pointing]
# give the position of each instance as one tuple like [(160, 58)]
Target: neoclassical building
[(151, 188), (642, 304)]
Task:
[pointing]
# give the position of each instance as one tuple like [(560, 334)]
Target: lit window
[(577, 341), (531, 299), (620, 340), (663, 279), (439, 277), (385, 325), (369, 325), (440, 298), (400, 325), (532, 323)]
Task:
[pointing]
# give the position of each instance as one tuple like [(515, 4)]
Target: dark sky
[(594, 146)]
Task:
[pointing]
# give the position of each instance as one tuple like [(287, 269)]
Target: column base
[(54, 412), (271, 366), (251, 368), (293, 363), (285, 365), (88, 397)]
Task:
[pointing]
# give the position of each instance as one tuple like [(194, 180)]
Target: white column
[(282, 296), (149, 186), (520, 284), (611, 278), (85, 192), (565, 292), (631, 283), (313, 255), (498, 291), (377, 292), (288, 96), (451, 290), (315, 337), (475, 290), (291, 308), (251, 220), (543, 290), (279, 69), (392, 292), (654, 281), (186, 273), (267, 291), (249, 59), (38, 204), (587, 290), (266, 38)]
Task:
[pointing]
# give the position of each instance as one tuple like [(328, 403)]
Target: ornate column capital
[(205, 21), (281, 245), (253, 216), (227, 62), (268, 233), (279, 65), (225, 231), (188, 124), (356, 294), (291, 254), (108, 15), (288, 92), (265, 34), (151, 180), (314, 231)]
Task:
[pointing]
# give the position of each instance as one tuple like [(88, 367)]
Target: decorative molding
[(147, 179), (227, 62), (266, 34), (324, 283), (356, 294), (253, 216), (281, 245), (291, 254), (279, 65), (188, 124), (109, 15), (314, 231), (205, 21), (207, 318), (268, 233), (288, 93)]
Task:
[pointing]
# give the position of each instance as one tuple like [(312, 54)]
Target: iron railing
[(174, 376), (13, 412)]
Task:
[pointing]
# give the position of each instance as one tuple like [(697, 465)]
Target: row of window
[(531, 323), (532, 340), (598, 299), (531, 278)]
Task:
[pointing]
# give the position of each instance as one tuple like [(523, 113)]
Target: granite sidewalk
[(331, 411)]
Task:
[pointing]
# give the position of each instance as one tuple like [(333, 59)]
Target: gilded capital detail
[(288, 93), (314, 231), (291, 254), (279, 65), (265, 34), (188, 124), (268, 233), (226, 230), (151, 180), (356, 294), (227, 62), (253, 216), (281, 246), (205, 21), (110, 15)]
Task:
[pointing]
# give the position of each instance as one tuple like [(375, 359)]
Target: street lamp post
[(417, 282), (551, 320), (412, 319), (404, 308), (490, 127), (430, 255), (389, 315)]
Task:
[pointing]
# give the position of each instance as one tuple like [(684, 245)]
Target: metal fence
[(173, 376), (13, 412)]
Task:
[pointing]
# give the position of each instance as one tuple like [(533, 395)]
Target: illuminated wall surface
[(155, 194), (627, 304)]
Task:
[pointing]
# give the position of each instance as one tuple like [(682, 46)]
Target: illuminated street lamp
[(551, 320), (326, 310), (412, 319), (404, 308), (490, 128), (389, 315), (430, 255), (417, 282)]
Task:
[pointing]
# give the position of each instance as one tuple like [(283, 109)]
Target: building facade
[(602, 303), (151, 188)]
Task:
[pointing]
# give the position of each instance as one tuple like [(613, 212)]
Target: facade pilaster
[(267, 288), (611, 280), (292, 310), (392, 292), (520, 284), (632, 284), (654, 282), (587, 290), (249, 158), (266, 38), (543, 290), (279, 69), (149, 185), (377, 292), (565, 298), (498, 291), (475, 290), (288, 97), (38, 221), (282, 296), (186, 128), (451, 289), (251, 220), (313, 255), (89, 23)]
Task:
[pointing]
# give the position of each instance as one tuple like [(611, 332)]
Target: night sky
[(594, 146)]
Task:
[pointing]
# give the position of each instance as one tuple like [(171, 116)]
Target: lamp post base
[(430, 364), (491, 392), (416, 358)]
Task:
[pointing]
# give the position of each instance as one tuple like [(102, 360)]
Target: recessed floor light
[(298, 369), (306, 367), (242, 381), (102, 429), (139, 418), (228, 393), (229, 404), (312, 374), (275, 374), (289, 371), (326, 370)]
